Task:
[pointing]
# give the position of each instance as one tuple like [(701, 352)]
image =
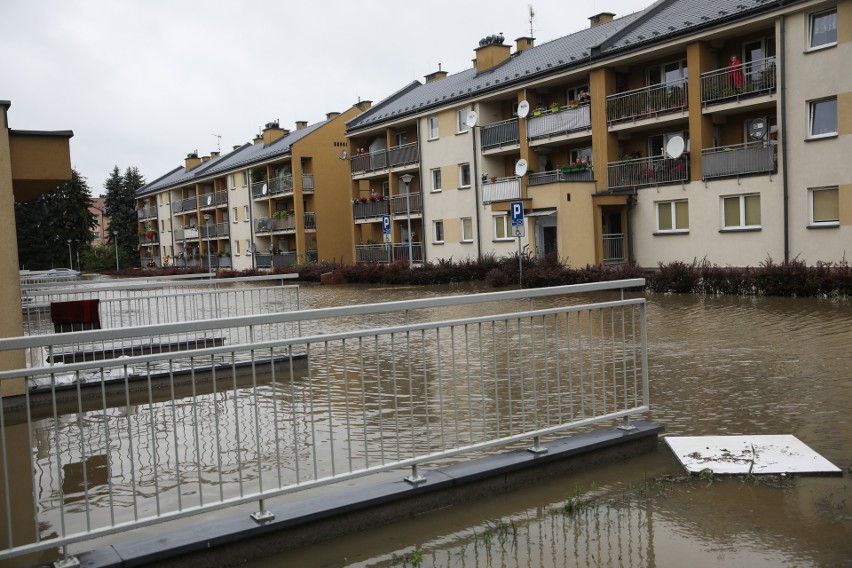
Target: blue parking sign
[(386, 226), (517, 210)]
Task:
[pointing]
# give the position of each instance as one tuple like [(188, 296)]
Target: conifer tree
[(120, 202)]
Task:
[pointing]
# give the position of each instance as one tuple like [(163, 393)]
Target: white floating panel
[(736, 454)]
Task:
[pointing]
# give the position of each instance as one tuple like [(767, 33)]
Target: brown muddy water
[(718, 366)]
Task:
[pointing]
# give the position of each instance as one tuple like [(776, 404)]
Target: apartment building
[(282, 199), (689, 130)]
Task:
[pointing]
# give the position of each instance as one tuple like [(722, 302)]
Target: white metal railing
[(613, 247), (501, 189), (401, 252), (737, 159), (647, 102), (563, 121), (502, 133), (265, 415), (307, 183), (734, 83), (641, 172)]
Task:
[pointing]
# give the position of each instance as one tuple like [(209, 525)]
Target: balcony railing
[(407, 203), (287, 223), (370, 209), (657, 170), (213, 199), (281, 184), (613, 247), (147, 212), (261, 225), (564, 175), (502, 189), (563, 121), (732, 84), (148, 238), (307, 183), (188, 204), (736, 160), (310, 221), (259, 189), (185, 234), (404, 155), (215, 230), (370, 162), (499, 134), (372, 253), (647, 102), (400, 251)]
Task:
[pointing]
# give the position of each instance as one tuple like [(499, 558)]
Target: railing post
[(67, 561), (263, 515), (626, 425), (415, 478), (537, 448)]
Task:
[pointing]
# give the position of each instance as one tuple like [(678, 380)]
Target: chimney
[(273, 132), (601, 18), (330, 115), (363, 105), (491, 52), (258, 139), (214, 154), (205, 159), (439, 74), (524, 43), (192, 160), (236, 147), (300, 124)]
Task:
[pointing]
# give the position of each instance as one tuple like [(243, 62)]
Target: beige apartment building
[(689, 130)]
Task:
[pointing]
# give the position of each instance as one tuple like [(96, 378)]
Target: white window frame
[(741, 223), (823, 223), (245, 178), (232, 184), (236, 215), (435, 174), (236, 247), (812, 107), (462, 167), (498, 222), (467, 235), (434, 128), (245, 213), (248, 247), (438, 232), (461, 121), (673, 212), (811, 21)]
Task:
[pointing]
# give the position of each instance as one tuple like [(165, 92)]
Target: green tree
[(120, 201)]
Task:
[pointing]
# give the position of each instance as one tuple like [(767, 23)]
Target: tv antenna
[(532, 15), (218, 142)]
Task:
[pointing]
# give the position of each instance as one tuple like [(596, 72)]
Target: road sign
[(519, 231), (517, 210), (386, 226), (387, 238)]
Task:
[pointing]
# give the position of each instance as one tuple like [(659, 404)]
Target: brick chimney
[(363, 105), (491, 52), (300, 124), (258, 139), (272, 132), (192, 160), (435, 76), (524, 43), (601, 18), (214, 154), (330, 115)]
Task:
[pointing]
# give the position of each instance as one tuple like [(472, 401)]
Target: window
[(400, 138), (501, 227), (438, 231), (433, 128), (461, 121), (741, 212), (667, 74), (823, 118), (249, 248), (436, 179), (236, 214), (236, 248), (245, 213), (823, 29), (673, 216), (464, 175), (825, 207), (467, 229), (231, 182), (245, 178)]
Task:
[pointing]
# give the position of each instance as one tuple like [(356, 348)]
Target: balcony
[(613, 247), (188, 204), (647, 102), (737, 160), (564, 121), (372, 210), (755, 78), (209, 200), (279, 260), (400, 252), (310, 221), (215, 230), (642, 172), (147, 212), (259, 190), (407, 203), (498, 134), (501, 189), (370, 162), (186, 234), (570, 175), (307, 183), (372, 253), (405, 155), (148, 238), (283, 184)]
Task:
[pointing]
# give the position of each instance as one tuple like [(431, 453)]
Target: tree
[(120, 201)]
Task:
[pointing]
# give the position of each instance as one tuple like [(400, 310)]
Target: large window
[(501, 227), (741, 212), (461, 121), (433, 128), (673, 216), (823, 118), (436, 179), (825, 207), (438, 231), (464, 175), (823, 29), (668, 73), (467, 229)]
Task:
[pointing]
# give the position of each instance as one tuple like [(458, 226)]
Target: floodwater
[(718, 366)]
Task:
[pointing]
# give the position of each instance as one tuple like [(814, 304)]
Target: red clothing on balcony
[(735, 72)]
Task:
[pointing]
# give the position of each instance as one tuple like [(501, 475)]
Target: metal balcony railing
[(369, 162), (281, 184), (307, 183), (214, 230), (564, 175), (640, 172), (187, 233), (501, 189), (259, 189), (188, 204), (372, 253), (208, 200), (731, 84), (400, 251), (405, 204), (404, 155), (370, 209), (738, 159), (564, 121), (310, 221), (613, 247), (499, 134), (261, 225), (647, 102), (147, 212)]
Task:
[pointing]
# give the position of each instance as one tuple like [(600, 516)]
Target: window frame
[(437, 230), (810, 34), (812, 107), (434, 127), (461, 121), (246, 213), (812, 222), (235, 218), (497, 221), (462, 167), (435, 176), (672, 203), (469, 221), (742, 225)]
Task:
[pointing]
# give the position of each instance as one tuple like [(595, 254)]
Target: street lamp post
[(115, 240), (70, 258), (406, 179), (207, 224)]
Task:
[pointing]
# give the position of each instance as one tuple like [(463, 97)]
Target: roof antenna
[(218, 142), (439, 66), (532, 15)]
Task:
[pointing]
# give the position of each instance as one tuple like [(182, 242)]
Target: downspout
[(422, 200), (784, 182)]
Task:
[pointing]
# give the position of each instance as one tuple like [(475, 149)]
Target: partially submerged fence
[(174, 434)]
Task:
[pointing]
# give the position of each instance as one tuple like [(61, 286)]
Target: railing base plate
[(261, 517)]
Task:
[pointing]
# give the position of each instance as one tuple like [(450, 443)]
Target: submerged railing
[(160, 436)]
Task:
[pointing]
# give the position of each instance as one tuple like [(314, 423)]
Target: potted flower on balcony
[(484, 177), (362, 199), (375, 197)]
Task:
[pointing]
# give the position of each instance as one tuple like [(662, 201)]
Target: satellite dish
[(523, 108), (757, 129), (520, 167), (263, 190), (471, 119), (674, 149), (343, 155)]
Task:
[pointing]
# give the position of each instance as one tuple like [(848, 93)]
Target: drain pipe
[(784, 143), (475, 183)]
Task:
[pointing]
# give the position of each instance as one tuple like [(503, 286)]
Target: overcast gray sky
[(143, 82)]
